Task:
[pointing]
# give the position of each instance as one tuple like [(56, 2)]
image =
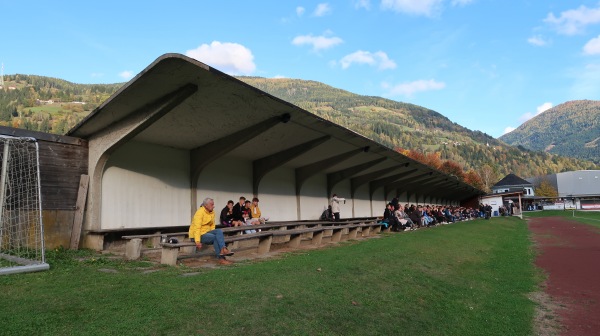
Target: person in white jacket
[(335, 206)]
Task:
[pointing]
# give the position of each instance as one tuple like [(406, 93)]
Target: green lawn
[(587, 217), (470, 278)]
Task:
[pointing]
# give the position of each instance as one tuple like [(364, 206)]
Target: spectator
[(255, 211), (203, 231), (488, 211), (404, 221), (416, 215), (238, 209), (388, 216), (227, 216), (327, 214), (335, 206)]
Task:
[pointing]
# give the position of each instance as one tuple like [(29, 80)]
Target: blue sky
[(488, 65)]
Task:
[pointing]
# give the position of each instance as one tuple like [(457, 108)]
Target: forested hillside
[(48, 104), (408, 126), (569, 129), (54, 105)]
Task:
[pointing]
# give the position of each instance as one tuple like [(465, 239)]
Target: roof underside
[(223, 105)]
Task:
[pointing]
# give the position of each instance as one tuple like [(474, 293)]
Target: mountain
[(569, 129), (54, 105)]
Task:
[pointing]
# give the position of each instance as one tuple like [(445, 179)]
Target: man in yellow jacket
[(202, 231)]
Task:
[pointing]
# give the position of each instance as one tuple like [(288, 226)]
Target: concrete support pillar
[(133, 249)]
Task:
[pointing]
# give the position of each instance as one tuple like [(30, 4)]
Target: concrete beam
[(375, 184), (106, 141), (356, 182), (340, 175), (305, 172), (202, 156), (262, 166)]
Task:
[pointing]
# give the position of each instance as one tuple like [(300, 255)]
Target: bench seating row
[(291, 237)]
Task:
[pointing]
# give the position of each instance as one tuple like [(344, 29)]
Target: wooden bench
[(133, 247), (170, 252)]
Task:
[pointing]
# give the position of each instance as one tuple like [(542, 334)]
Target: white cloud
[(460, 2), (586, 82), (408, 89), (537, 41), (508, 130), (592, 47), (415, 7), (574, 21), (322, 9), (539, 110), (126, 74), (366, 4), (300, 11), (232, 58), (317, 42), (378, 59), (279, 76)]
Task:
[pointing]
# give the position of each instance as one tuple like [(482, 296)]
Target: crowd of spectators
[(404, 217), (244, 212)]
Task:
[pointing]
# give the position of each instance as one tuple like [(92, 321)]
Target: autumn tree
[(454, 169), (489, 176), (473, 178), (545, 189), (433, 160)]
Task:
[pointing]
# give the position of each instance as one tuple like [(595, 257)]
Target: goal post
[(21, 227)]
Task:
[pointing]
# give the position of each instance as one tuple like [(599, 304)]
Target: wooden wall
[(63, 160)]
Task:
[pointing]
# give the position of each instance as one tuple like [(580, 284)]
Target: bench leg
[(336, 236), (352, 233), (295, 240), (169, 256), (377, 229), (366, 231), (264, 244), (133, 249), (317, 238)]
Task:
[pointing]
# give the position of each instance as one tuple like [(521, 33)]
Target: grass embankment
[(469, 278)]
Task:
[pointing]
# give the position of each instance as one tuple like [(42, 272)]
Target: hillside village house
[(510, 192), (181, 131)]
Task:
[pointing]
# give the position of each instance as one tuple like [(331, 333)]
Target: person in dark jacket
[(416, 216), (238, 210)]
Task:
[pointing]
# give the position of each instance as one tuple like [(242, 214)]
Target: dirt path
[(570, 254)]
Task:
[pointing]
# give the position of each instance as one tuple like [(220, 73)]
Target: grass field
[(587, 217), (469, 278)]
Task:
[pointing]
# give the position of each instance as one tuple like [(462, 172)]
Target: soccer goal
[(21, 229)]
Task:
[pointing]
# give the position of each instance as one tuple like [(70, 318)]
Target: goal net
[(21, 230)]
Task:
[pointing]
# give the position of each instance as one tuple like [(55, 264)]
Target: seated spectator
[(448, 214), (428, 218), (416, 215), (255, 211), (249, 222), (227, 216), (404, 221), (203, 231), (238, 209), (327, 214), (439, 215), (388, 215)]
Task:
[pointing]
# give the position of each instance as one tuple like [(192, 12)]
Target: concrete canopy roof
[(221, 106)]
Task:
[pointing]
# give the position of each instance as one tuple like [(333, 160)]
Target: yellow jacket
[(254, 211), (202, 222)]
